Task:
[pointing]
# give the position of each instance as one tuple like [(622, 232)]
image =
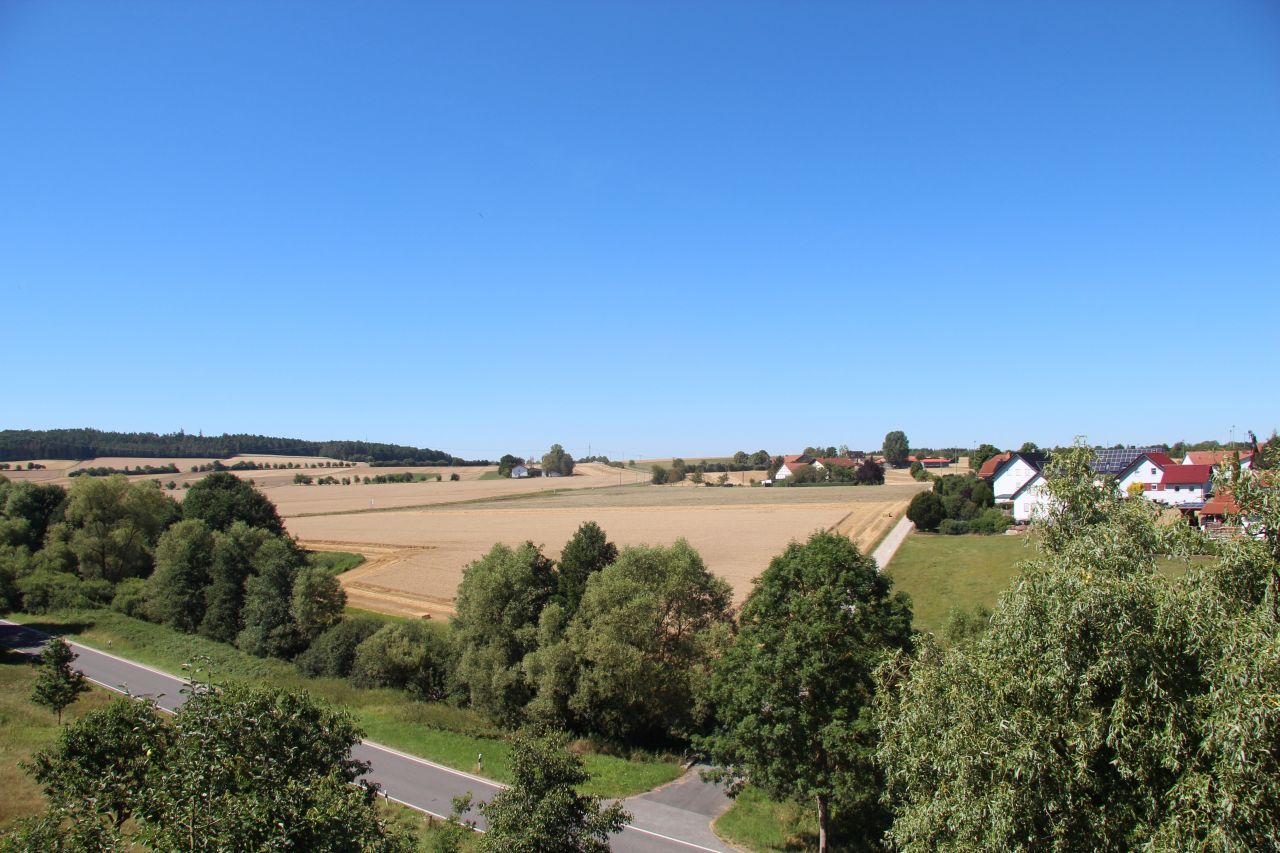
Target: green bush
[(131, 598), (43, 591), (333, 652), (926, 511), (990, 521), (953, 527), (407, 655)]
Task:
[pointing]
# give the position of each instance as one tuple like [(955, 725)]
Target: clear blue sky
[(649, 227)]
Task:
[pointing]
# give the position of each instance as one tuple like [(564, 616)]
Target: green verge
[(334, 562), (942, 572), (756, 822), (491, 475), (25, 729), (432, 730)]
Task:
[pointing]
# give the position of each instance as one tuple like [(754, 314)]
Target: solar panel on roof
[(1112, 460)]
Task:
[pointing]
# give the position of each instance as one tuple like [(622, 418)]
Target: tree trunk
[(822, 823)]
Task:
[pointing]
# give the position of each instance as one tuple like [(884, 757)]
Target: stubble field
[(416, 556)]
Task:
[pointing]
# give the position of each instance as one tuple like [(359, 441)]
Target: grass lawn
[(25, 729), (334, 562), (436, 731), (941, 572), (756, 822)]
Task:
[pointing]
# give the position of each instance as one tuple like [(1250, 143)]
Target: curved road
[(675, 817)]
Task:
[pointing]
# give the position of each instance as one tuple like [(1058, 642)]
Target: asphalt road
[(675, 817)]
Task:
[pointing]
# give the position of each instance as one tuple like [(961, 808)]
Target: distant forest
[(91, 443)]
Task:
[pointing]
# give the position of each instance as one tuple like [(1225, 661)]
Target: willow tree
[(1106, 706)]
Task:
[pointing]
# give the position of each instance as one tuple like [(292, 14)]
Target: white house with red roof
[(1148, 469), (1183, 486), (792, 464), (988, 470), (1014, 473), (1217, 457)]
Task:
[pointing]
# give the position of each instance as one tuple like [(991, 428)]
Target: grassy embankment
[(939, 573), (27, 728), (436, 731)]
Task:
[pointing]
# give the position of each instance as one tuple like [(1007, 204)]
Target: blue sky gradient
[(647, 227)]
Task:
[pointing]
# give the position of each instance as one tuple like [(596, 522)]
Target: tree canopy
[(1105, 706), (896, 448), (222, 498), (793, 693), (239, 769), (542, 810), (557, 461)]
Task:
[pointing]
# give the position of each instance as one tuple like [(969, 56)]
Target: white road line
[(480, 780), (673, 840)]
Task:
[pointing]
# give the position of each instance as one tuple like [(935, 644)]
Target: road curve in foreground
[(676, 817)]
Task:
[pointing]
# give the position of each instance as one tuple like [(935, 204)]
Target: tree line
[(92, 443)]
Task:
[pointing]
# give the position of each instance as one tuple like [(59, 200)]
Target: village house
[(1217, 457), (791, 465), (1183, 486), (1013, 473), (1147, 470)]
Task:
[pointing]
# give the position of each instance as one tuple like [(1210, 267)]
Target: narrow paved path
[(675, 817), (892, 541)]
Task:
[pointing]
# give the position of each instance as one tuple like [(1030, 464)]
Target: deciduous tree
[(499, 603), (587, 552), (542, 809), (176, 590), (793, 693), (1105, 706), (57, 684), (222, 498), (896, 448)]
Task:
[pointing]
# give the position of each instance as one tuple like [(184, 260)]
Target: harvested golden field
[(293, 500), (420, 553)]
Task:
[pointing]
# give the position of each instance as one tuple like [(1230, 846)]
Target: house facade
[(1014, 473), (1183, 486), (1031, 499), (1147, 469)]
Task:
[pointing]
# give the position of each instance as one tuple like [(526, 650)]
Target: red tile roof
[(1212, 457), (1220, 505), (838, 461), (989, 467), (1164, 460), (1187, 475)]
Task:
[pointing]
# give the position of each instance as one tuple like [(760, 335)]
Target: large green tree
[(114, 525), (587, 552), (269, 628), (176, 590), (222, 498), (793, 694), (542, 810), (240, 769), (316, 602), (499, 603), (557, 461), (982, 454), (235, 551), (642, 640), (1106, 705), (896, 448)]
